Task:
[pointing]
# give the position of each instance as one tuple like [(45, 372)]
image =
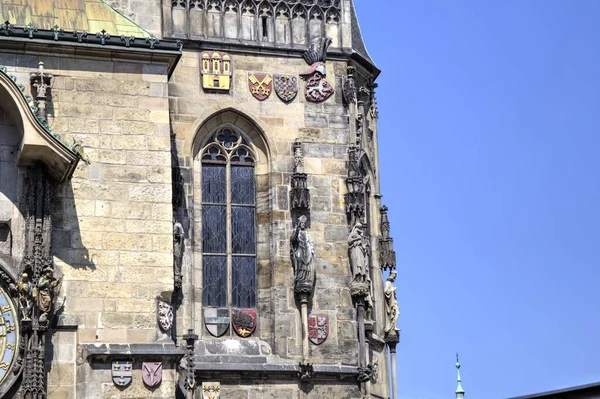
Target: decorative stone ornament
[(216, 320), (356, 187), (387, 255), (318, 328), (299, 193), (152, 373), (260, 85), (211, 390), (286, 87), (217, 70), (317, 88), (122, 373), (244, 321), (306, 373), (164, 315), (349, 86)]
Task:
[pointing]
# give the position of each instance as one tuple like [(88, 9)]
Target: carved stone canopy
[(36, 143)]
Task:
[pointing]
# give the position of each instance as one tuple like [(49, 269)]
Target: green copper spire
[(460, 392)]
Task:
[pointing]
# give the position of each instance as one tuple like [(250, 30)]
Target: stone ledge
[(110, 351), (266, 370)]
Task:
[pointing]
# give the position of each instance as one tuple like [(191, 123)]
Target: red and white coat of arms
[(318, 328)]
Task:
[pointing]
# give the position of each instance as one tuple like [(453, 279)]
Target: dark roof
[(358, 43), (577, 389)]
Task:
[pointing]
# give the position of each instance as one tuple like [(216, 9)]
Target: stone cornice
[(90, 44)]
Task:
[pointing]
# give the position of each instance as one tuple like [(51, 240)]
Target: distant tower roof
[(358, 43), (460, 392)]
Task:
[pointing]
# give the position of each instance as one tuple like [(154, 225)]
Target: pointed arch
[(299, 25), (251, 126), (283, 33), (248, 12), (332, 26), (266, 14), (316, 22)]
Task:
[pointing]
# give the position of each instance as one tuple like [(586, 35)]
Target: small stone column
[(392, 339), (360, 291)]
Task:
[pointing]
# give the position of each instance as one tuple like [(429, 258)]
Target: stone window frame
[(254, 134), (228, 154)]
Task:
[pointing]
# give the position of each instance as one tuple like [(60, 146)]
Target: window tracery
[(228, 221)]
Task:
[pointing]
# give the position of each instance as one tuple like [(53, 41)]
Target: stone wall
[(323, 129), (112, 235)]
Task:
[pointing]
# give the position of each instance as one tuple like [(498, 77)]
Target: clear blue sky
[(490, 138)]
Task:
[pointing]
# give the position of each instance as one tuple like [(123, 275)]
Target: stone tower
[(190, 202)]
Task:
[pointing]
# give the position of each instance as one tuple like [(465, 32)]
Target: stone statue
[(303, 257), (178, 237), (46, 290), (392, 310), (358, 252), (25, 293)]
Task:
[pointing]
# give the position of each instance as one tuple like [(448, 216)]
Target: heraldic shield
[(152, 373), (216, 320), (211, 390), (286, 87), (244, 321), (122, 373), (318, 328), (260, 85)]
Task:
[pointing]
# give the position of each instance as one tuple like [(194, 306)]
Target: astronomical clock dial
[(9, 334)]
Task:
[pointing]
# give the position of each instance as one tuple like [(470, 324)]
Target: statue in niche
[(303, 257), (47, 287), (178, 237), (358, 252), (25, 293), (392, 309)]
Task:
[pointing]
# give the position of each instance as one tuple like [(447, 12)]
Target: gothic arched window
[(228, 221)]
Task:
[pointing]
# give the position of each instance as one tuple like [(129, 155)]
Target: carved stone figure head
[(392, 277), (302, 222)]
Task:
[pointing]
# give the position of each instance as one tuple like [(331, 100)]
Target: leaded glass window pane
[(214, 229), (228, 221), (214, 281), (242, 230), (242, 185), (243, 290), (213, 184)]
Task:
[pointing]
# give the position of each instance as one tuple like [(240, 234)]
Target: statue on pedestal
[(303, 258), (392, 309), (358, 253), (25, 293), (47, 287)]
